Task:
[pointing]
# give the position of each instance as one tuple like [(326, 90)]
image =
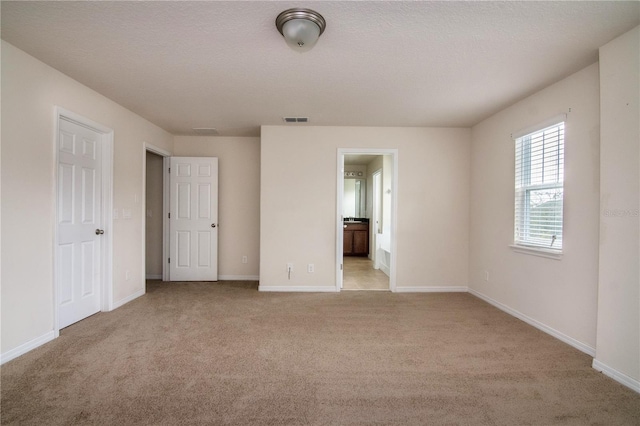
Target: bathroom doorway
[(366, 198)]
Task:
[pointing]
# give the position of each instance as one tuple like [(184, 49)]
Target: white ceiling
[(184, 64)]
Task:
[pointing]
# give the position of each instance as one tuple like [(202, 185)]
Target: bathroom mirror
[(354, 198)]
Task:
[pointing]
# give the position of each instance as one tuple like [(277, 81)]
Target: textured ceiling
[(223, 64)]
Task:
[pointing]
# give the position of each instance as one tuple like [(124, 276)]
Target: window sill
[(537, 251)]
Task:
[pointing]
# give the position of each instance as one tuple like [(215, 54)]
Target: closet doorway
[(154, 194)]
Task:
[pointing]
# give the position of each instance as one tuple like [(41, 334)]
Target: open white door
[(193, 219), (376, 227), (79, 228)]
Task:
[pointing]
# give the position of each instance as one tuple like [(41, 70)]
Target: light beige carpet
[(206, 353)]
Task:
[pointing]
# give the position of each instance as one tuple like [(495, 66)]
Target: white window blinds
[(539, 188)]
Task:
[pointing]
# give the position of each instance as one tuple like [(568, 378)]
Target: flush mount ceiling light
[(300, 28)]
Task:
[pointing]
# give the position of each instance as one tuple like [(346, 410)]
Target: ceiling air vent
[(205, 131), (295, 119)]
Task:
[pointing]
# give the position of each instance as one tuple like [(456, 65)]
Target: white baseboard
[(154, 276), (128, 299), (433, 289), (49, 336), (296, 289), (238, 278), (537, 324), (26, 347), (619, 377)]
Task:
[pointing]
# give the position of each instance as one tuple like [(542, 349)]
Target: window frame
[(522, 192)]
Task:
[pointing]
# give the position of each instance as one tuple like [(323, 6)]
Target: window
[(539, 188)]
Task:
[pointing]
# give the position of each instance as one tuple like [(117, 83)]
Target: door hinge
[(169, 215), (169, 169), (341, 266), (169, 260)]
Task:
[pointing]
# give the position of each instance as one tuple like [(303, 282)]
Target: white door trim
[(394, 209), (106, 243), (147, 147), (339, 222), (166, 206)]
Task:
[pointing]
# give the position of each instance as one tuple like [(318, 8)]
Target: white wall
[(239, 199), (298, 203), (560, 295), (153, 219), (618, 342), (30, 92)]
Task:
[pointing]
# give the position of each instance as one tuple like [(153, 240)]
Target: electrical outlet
[(486, 275), (127, 275), (245, 259), (310, 268)]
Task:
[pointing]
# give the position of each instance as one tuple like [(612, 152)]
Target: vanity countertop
[(356, 220)]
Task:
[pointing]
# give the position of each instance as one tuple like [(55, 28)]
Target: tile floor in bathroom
[(360, 275)]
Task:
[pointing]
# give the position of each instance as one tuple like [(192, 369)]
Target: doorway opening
[(154, 213), (153, 208), (367, 180)]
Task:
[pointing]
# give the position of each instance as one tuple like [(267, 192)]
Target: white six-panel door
[(79, 222), (193, 219)]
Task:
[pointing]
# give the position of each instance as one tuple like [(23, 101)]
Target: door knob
[(213, 225), (99, 231)]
